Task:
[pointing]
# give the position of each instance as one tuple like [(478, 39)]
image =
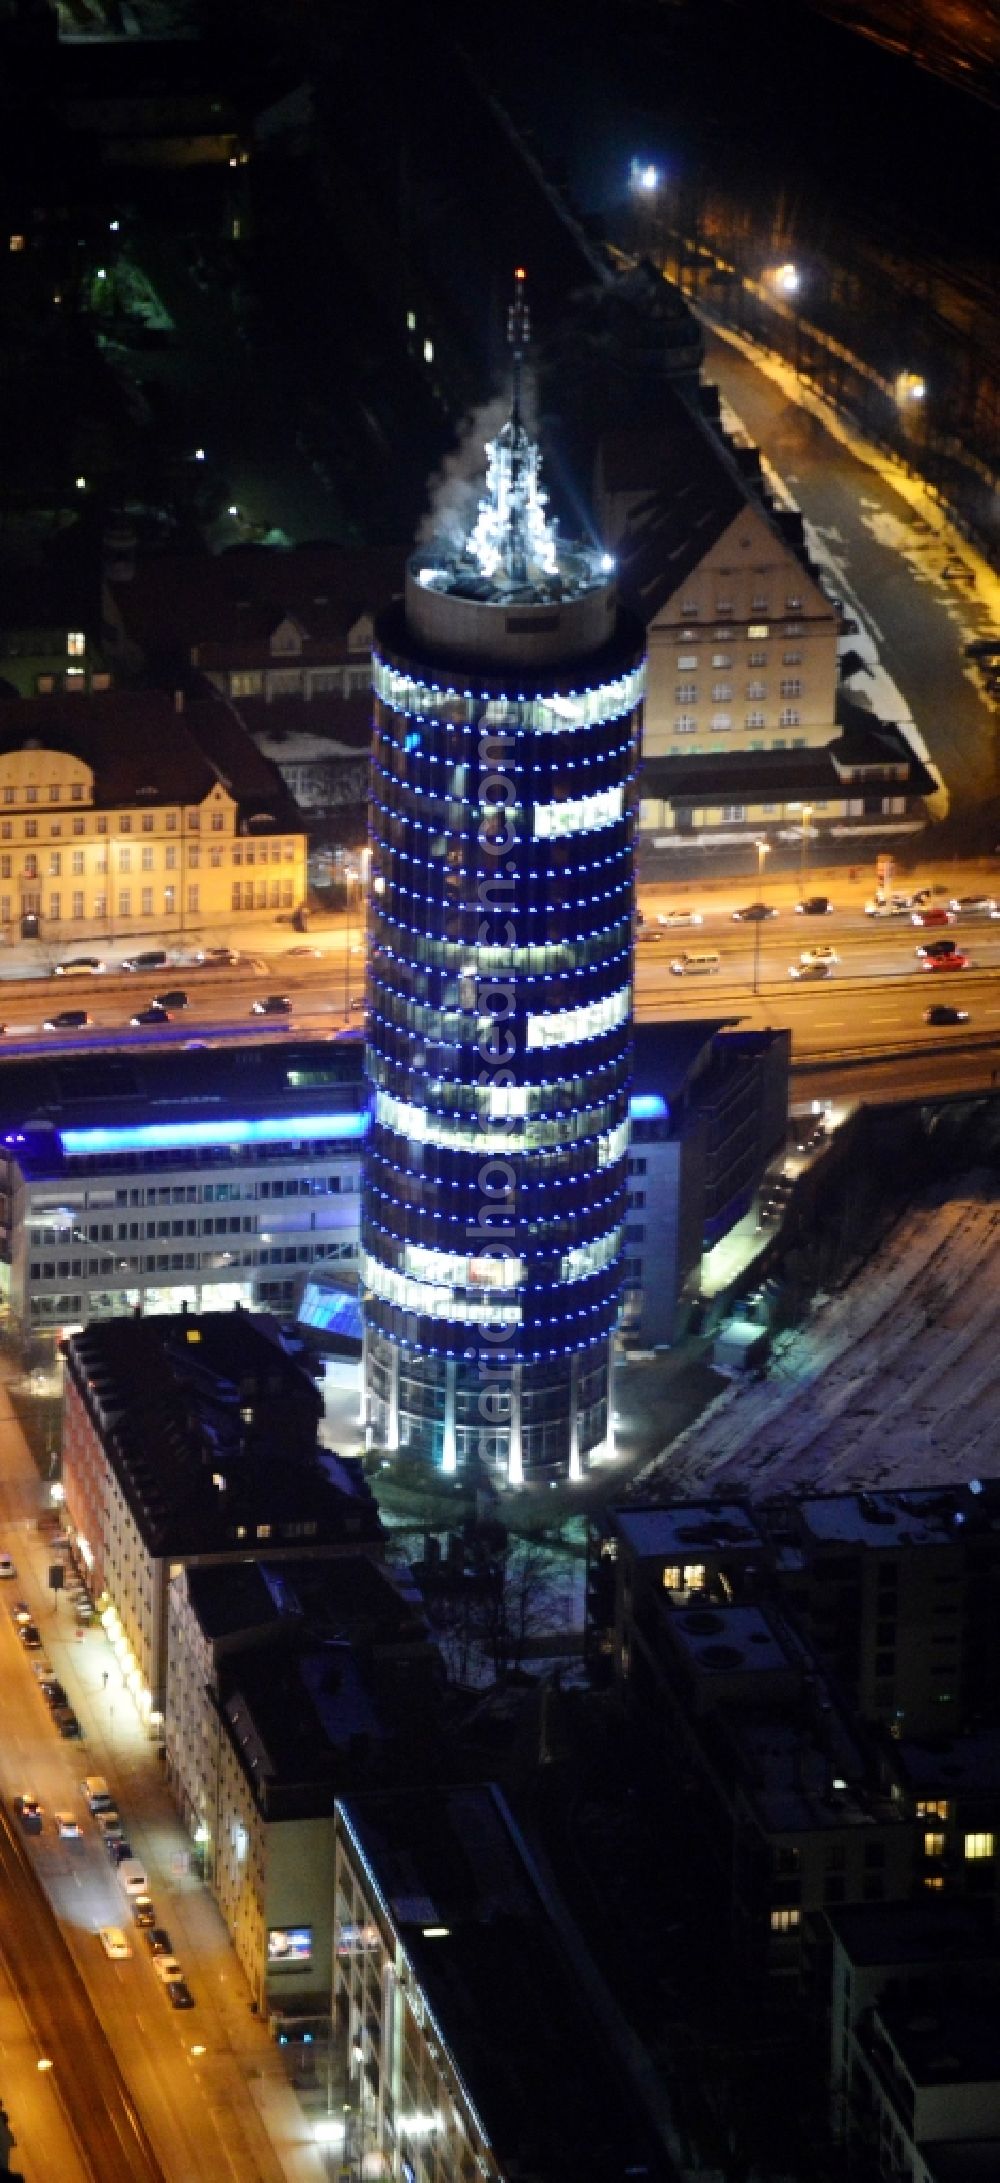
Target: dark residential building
[(193, 1439), (472, 2026), (286, 1687), (709, 1111)]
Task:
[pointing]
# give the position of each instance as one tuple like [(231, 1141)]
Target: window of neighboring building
[(76, 644), (933, 1845), (936, 1807), (78, 904), (194, 822), (785, 1921), (734, 813), (685, 724), (76, 792), (789, 718), (147, 859), (722, 659), (54, 794), (793, 606), (124, 860), (169, 900), (125, 902), (218, 821), (758, 629), (31, 795), (690, 607), (722, 693), (791, 686), (79, 826), (721, 721), (758, 659), (170, 858), (686, 693), (686, 661), (192, 899), (791, 659), (31, 829), (978, 1845), (125, 823), (171, 822), (55, 908), (8, 795), (147, 902), (148, 822), (756, 689), (193, 856)]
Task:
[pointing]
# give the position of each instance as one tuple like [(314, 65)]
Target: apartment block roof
[(491, 1954), (222, 610), (786, 776), (44, 1100), (209, 1427), (142, 751)]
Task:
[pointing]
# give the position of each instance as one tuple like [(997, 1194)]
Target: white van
[(132, 1877), (97, 1793), (696, 962)]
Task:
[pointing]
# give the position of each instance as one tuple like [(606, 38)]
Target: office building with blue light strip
[(508, 696), (168, 1177)]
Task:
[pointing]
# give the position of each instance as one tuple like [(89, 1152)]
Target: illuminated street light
[(81, 484), (787, 279), (44, 2064), (910, 387), (763, 849), (644, 176), (199, 454)]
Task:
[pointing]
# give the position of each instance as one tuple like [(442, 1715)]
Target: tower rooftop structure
[(508, 690)]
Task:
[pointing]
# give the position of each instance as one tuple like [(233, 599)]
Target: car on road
[(941, 1013), (821, 953), (938, 947), (271, 1004), (647, 936), (945, 962), (52, 1691), (227, 956), (158, 1941), (810, 970), (754, 913), (143, 1911), (29, 1636), (110, 1825), (174, 998), (117, 1848), (7, 1568), (673, 918), (114, 1943), (66, 1721), (68, 1019), (79, 966), (67, 1827), (179, 1995), (934, 914), (974, 905), (166, 1968), (29, 1812), (814, 905), (316, 952), (153, 958), (153, 1014)]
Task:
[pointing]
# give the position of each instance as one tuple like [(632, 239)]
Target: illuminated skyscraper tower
[(508, 691)]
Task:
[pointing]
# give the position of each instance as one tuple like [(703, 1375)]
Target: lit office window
[(979, 1845)]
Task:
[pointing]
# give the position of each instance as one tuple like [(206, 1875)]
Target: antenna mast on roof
[(518, 336)]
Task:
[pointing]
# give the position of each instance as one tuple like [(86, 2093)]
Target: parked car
[(974, 905), (143, 1911), (158, 1940), (79, 966), (67, 1828), (153, 1014), (53, 1692), (29, 1636), (941, 1013), (66, 1721), (166, 1968), (680, 917), (821, 953), (179, 1995), (227, 956), (938, 947), (810, 970), (754, 913), (7, 1568), (934, 914), (68, 1019), (945, 962), (271, 1004), (814, 905), (117, 1848), (29, 1812)]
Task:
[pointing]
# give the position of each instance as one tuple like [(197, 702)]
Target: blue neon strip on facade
[(647, 1107), (178, 1136)]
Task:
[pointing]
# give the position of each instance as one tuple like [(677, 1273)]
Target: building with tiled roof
[(127, 812)]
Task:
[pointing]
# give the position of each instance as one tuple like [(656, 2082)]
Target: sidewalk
[(242, 2071)]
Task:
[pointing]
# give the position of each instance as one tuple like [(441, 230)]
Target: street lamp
[(763, 849), (807, 812)]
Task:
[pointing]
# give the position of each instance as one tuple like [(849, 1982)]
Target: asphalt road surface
[(919, 617)]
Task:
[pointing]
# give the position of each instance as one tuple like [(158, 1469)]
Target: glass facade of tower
[(498, 1026)]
